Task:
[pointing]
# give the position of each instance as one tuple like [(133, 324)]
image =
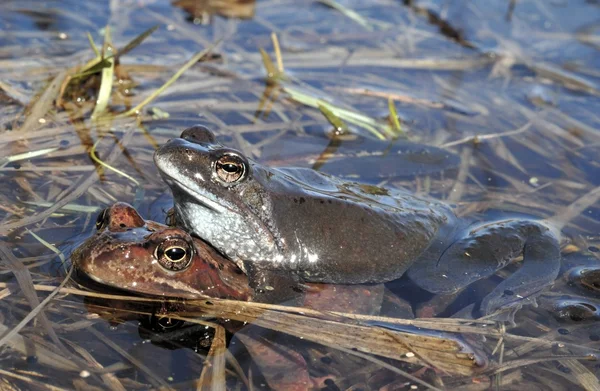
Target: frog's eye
[(174, 254), (102, 219), (230, 168)]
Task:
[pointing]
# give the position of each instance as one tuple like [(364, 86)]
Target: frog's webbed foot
[(487, 249), (541, 264)]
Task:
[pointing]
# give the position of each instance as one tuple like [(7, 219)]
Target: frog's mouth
[(201, 198), (176, 180)]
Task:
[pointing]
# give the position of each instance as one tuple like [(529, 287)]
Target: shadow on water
[(497, 102)]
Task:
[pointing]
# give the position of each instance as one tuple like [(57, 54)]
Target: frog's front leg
[(273, 286), (447, 267)]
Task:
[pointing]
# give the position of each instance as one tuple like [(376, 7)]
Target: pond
[(471, 113)]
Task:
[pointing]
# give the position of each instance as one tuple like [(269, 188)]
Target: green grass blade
[(349, 13), (49, 246), (103, 164), (349, 116), (394, 118), (93, 45), (272, 73), (333, 119), (106, 84), (136, 41)]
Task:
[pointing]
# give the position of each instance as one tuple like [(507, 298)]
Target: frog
[(321, 228), (147, 258)]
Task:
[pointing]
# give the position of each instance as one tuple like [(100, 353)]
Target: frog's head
[(204, 170), (216, 193), (149, 258)]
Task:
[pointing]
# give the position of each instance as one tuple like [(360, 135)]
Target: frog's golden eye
[(230, 168), (174, 254), (102, 219)]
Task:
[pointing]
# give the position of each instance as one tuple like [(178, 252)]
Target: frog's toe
[(505, 314), (507, 301)]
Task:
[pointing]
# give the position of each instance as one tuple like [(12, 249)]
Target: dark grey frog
[(320, 228)]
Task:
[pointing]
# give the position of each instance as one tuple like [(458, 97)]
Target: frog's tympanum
[(145, 257), (324, 229)]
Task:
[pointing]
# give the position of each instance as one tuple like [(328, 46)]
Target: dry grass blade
[(172, 80), (44, 356), (35, 384), (234, 363), (109, 379), (479, 138), (25, 282), (77, 189), (215, 307), (157, 382), (26, 155), (44, 104), (213, 373), (68, 207), (443, 353), (34, 312), (584, 377), (349, 13), (384, 364), (447, 354), (277, 49), (524, 362), (14, 93), (575, 209), (569, 79)]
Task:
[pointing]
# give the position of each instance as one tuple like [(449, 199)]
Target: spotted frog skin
[(320, 228)]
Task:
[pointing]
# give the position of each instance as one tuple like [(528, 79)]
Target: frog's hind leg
[(541, 265), (485, 250)]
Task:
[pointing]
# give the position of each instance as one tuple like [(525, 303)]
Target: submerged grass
[(341, 331), (497, 131)]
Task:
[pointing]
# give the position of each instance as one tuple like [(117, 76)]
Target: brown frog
[(146, 257)]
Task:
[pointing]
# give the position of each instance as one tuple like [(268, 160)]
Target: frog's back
[(335, 231)]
